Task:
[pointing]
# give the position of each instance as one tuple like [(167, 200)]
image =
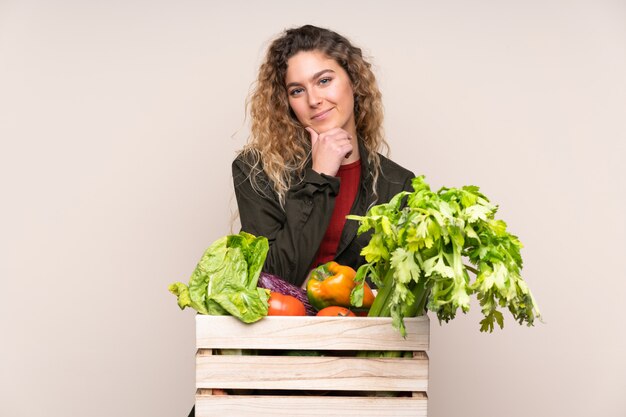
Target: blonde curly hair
[(279, 145)]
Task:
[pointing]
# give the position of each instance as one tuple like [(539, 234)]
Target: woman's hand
[(329, 149)]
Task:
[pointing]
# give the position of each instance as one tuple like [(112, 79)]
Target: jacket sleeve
[(295, 231)]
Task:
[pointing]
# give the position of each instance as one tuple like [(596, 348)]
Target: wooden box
[(272, 380)]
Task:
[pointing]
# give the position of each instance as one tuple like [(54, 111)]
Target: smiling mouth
[(321, 115)]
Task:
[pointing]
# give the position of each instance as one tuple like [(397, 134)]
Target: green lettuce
[(225, 279)]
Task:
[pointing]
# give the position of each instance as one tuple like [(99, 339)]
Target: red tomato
[(285, 305), (336, 311)]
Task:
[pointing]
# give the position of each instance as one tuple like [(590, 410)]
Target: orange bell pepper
[(330, 284)]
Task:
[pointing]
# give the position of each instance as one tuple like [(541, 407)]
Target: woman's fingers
[(330, 148), (338, 140)]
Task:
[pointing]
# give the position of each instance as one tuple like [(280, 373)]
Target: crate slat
[(311, 333), (301, 406), (312, 373)]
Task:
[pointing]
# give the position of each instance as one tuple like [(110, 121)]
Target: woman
[(312, 157), (313, 154)]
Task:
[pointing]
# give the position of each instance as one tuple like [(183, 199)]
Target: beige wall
[(118, 122)]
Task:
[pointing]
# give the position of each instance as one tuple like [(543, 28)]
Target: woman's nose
[(314, 99)]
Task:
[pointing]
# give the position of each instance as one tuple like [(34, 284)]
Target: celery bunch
[(417, 255)]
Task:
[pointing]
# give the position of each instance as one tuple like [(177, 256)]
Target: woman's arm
[(295, 232)]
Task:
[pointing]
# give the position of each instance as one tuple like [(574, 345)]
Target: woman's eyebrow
[(316, 75)]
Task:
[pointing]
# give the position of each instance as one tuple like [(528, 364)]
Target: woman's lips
[(321, 115)]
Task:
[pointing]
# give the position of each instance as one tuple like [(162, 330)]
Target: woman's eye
[(295, 91), (325, 80)]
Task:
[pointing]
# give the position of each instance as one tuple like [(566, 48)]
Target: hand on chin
[(329, 149)]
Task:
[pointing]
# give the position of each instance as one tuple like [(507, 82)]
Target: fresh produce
[(331, 284), (277, 284), (420, 241), (225, 279), (285, 305), (336, 311)]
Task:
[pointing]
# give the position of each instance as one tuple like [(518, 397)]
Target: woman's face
[(320, 92)]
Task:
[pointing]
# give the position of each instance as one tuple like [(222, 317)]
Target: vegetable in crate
[(285, 305), (225, 280), (335, 311), (331, 284), (277, 284), (415, 256)]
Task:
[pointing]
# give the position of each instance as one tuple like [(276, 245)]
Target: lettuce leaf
[(225, 279)]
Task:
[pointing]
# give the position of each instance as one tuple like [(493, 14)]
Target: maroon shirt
[(350, 177)]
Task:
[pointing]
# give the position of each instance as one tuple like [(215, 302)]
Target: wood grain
[(301, 406), (312, 333), (312, 373)]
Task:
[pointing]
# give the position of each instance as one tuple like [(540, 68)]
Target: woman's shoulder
[(247, 156), (247, 162), (393, 170), (247, 169)]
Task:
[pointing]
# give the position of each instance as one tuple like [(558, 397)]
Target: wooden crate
[(271, 383)]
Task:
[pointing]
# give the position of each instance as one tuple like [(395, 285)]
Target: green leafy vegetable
[(225, 279), (416, 256)]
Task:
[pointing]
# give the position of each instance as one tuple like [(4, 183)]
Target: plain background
[(118, 123)]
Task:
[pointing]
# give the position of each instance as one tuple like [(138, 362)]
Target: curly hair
[(278, 144)]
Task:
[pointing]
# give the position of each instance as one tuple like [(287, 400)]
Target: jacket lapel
[(360, 203)]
